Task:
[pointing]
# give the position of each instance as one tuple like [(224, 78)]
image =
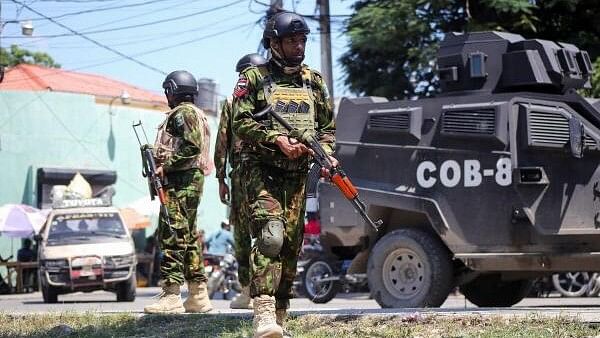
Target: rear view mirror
[(576, 137)]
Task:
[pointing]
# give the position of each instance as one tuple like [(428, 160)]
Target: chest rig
[(295, 105), (167, 144)]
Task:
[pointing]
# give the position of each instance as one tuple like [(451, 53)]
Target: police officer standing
[(274, 167), (228, 147), (181, 152)]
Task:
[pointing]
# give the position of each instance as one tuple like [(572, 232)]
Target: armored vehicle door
[(559, 192)]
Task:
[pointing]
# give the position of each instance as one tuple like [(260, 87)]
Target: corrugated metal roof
[(35, 78)]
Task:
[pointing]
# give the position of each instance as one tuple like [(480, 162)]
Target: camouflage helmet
[(180, 82), (283, 24), (248, 60)]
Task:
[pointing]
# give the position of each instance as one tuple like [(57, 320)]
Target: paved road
[(586, 309)]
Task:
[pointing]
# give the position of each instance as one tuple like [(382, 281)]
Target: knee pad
[(270, 239)]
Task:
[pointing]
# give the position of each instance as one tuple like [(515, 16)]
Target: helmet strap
[(280, 59)]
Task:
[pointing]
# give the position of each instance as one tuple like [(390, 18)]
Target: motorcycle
[(222, 272), (320, 277), (577, 284)]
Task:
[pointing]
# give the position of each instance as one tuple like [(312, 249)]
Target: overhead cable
[(129, 26), (145, 65)]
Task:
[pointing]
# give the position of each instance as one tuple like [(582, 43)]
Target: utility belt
[(264, 155)]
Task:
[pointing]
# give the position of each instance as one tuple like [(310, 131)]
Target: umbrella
[(20, 220), (133, 219)]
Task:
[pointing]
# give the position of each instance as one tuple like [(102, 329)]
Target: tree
[(16, 55), (595, 91), (393, 42)]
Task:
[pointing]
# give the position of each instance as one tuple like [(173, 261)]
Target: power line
[(129, 42), (97, 10), (124, 27), (149, 52), (145, 65), (27, 43)]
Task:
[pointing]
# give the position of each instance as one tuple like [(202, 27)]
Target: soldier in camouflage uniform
[(274, 168), (228, 147), (181, 153)]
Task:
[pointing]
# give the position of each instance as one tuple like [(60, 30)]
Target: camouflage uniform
[(273, 184), (228, 147), (181, 149)]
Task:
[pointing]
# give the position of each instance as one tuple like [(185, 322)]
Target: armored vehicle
[(487, 186)]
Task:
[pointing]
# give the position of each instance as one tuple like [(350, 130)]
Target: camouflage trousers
[(181, 255), (273, 193), (241, 234)]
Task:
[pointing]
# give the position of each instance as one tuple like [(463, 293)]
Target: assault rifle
[(149, 171), (335, 174)]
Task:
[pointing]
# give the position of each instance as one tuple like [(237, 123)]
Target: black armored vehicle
[(487, 186)]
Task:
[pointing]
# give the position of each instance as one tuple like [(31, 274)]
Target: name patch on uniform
[(241, 87)]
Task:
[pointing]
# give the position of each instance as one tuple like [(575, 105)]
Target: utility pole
[(325, 28), (275, 7)]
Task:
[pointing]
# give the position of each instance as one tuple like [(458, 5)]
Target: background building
[(52, 118)]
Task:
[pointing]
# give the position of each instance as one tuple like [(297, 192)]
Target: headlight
[(115, 261), (55, 263)]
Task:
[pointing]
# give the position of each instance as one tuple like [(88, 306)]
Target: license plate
[(208, 269), (86, 271)]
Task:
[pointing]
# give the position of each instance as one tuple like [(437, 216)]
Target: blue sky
[(221, 36)]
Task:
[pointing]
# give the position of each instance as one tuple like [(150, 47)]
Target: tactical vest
[(295, 105), (166, 144)]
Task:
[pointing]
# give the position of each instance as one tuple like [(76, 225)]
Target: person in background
[(26, 254), (201, 241), (220, 241)]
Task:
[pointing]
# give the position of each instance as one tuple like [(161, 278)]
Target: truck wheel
[(571, 284), (410, 268), (490, 290), (50, 294), (317, 291), (126, 290)]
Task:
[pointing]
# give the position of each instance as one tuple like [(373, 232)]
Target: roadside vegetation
[(418, 325)]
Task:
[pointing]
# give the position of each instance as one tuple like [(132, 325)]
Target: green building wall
[(51, 129)]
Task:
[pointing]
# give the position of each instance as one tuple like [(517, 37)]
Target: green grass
[(428, 325)]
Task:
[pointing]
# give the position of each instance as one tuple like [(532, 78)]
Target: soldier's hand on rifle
[(160, 172), (223, 191), (291, 147), (334, 163)]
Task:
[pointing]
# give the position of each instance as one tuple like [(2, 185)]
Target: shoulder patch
[(241, 87)]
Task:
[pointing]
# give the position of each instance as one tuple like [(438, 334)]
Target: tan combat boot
[(280, 318), (265, 324), (197, 300), (242, 301), (169, 301)]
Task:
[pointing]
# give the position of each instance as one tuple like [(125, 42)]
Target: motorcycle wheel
[(571, 284), (315, 290)]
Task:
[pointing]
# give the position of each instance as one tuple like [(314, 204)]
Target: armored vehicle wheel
[(490, 290), (49, 293), (126, 290), (313, 288), (409, 268), (571, 284)]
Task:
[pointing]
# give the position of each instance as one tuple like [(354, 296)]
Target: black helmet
[(283, 24), (250, 60), (180, 82)]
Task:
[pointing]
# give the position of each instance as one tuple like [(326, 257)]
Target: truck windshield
[(85, 226)]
